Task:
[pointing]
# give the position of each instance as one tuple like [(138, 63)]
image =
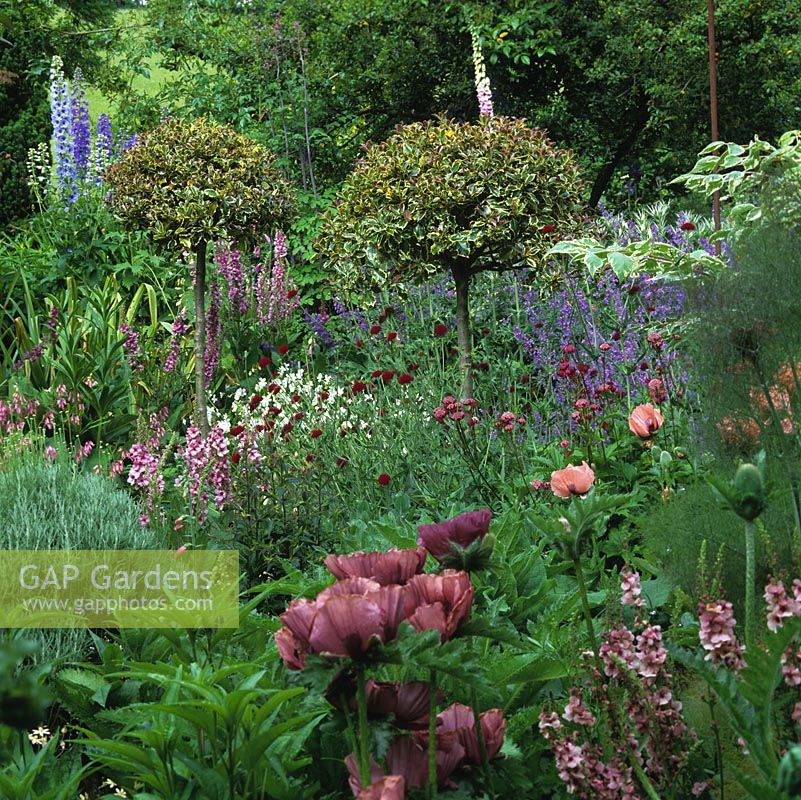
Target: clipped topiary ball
[(458, 197), (191, 181)]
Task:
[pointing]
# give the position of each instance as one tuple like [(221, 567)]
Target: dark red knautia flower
[(439, 537), (405, 378), (392, 566), (236, 430), (387, 375), (547, 229), (376, 373), (687, 226), (440, 602), (265, 361), (315, 433), (283, 349), (440, 330), (383, 479), (236, 457), (291, 293), (391, 336), (357, 387), (375, 329)]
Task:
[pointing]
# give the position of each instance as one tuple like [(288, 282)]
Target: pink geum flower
[(632, 591), (393, 566), (781, 606), (716, 635), (645, 420), (439, 537), (440, 602), (572, 480)]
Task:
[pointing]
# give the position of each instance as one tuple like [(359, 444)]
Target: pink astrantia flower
[(572, 480), (393, 566), (462, 530)]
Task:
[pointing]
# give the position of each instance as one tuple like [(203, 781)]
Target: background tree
[(189, 183), (442, 196)]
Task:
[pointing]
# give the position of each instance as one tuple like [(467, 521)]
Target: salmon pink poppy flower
[(645, 420), (572, 480)]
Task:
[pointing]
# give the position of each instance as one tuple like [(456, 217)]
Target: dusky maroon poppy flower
[(440, 330), (392, 566), (645, 420), (347, 626), (283, 349), (408, 756), (392, 787), (406, 702), (572, 480), (440, 602), (354, 779), (375, 329), (383, 479), (462, 530), (460, 720)]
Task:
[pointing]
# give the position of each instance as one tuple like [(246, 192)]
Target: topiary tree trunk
[(461, 277), (201, 409)]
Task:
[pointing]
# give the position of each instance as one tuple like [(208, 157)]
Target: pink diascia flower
[(462, 530), (572, 480), (645, 420)]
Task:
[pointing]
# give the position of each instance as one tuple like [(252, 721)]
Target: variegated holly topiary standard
[(445, 196), (190, 182)]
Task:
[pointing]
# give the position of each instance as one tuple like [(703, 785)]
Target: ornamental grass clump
[(189, 183), (456, 198)]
